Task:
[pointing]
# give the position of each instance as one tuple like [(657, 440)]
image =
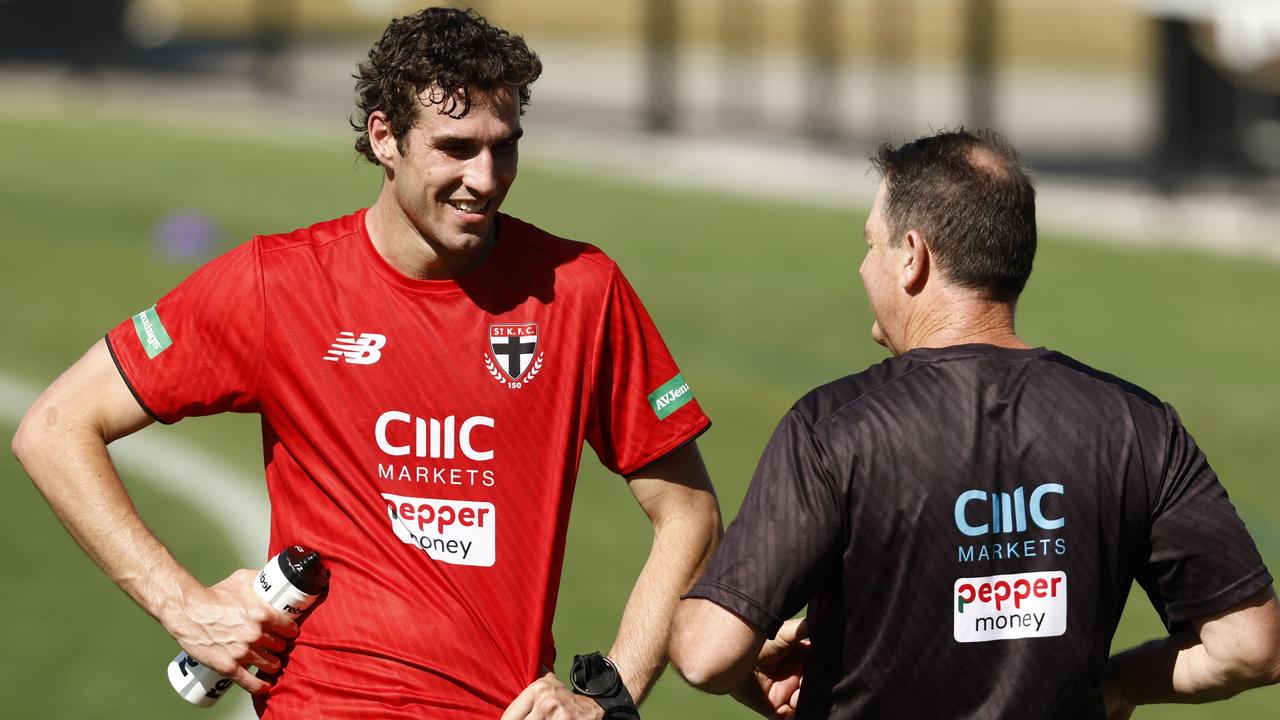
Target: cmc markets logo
[(399, 433), (999, 512), (1015, 525)]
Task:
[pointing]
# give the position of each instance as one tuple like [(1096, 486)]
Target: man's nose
[(482, 174)]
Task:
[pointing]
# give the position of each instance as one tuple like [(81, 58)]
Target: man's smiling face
[(455, 172)]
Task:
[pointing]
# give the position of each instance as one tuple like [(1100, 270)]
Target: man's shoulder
[(895, 375), (315, 235), (541, 246), (838, 395), (1089, 375)]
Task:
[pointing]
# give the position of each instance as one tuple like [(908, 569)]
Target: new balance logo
[(363, 350)]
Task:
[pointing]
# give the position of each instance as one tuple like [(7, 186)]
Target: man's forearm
[(62, 444), (1175, 669), (681, 549), (72, 469), (225, 627), (1215, 658)]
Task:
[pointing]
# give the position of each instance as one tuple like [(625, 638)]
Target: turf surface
[(759, 303)]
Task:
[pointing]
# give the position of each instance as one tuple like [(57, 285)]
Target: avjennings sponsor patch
[(670, 396)]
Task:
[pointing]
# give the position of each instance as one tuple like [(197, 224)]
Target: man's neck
[(964, 320), (413, 253)]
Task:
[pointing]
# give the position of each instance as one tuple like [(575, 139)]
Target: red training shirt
[(424, 436)]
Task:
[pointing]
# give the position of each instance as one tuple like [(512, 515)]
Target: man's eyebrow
[(449, 140)]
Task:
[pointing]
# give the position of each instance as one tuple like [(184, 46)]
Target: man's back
[(964, 524), (965, 520)]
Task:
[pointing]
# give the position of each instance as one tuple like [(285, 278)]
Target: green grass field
[(759, 303)]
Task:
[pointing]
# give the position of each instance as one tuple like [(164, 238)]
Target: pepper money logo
[(456, 532), (1008, 607)]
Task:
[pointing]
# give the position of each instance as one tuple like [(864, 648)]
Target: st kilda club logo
[(513, 359)]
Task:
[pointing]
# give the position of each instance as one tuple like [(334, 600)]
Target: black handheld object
[(303, 569)]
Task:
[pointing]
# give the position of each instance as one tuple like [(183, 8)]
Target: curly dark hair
[(455, 52), (970, 196)]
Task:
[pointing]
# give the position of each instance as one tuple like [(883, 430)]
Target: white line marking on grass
[(174, 466), (227, 496)]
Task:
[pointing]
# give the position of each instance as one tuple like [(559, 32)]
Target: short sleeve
[(792, 518), (641, 406), (197, 350), (1202, 560)]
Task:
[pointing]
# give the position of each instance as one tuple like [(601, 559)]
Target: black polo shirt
[(964, 525)]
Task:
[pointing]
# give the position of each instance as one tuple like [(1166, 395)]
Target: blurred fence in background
[(1171, 92), (1219, 77)]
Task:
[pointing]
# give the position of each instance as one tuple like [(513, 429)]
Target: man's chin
[(470, 238), (878, 335)]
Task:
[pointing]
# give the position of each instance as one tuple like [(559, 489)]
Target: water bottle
[(291, 581)]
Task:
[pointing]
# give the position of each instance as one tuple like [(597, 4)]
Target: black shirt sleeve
[(792, 517), (1202, 560)]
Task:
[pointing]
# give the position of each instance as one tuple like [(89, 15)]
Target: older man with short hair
[(964, 520)]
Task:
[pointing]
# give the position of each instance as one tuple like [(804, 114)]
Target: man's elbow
[(1272, 676), (1261, 664), (1253, 659), (697, 657), (1264, 660), (39, 427), (25, 440), (701, 668)]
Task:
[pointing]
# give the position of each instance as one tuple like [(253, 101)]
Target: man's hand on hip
[(773, 688), (550, 699), (227, 627)]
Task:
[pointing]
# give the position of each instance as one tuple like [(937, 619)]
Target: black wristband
[(596, 676)]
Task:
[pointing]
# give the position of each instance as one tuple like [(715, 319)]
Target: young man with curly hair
[(426, 370)]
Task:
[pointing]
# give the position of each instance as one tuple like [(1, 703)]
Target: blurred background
[(718, 149)]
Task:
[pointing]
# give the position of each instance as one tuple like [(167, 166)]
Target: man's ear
[(915, 262), (382, 140)]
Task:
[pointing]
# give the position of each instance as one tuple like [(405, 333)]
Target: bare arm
[(676, 494), (718, 652), (713, 648), (1219, 656), (62, 444)]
